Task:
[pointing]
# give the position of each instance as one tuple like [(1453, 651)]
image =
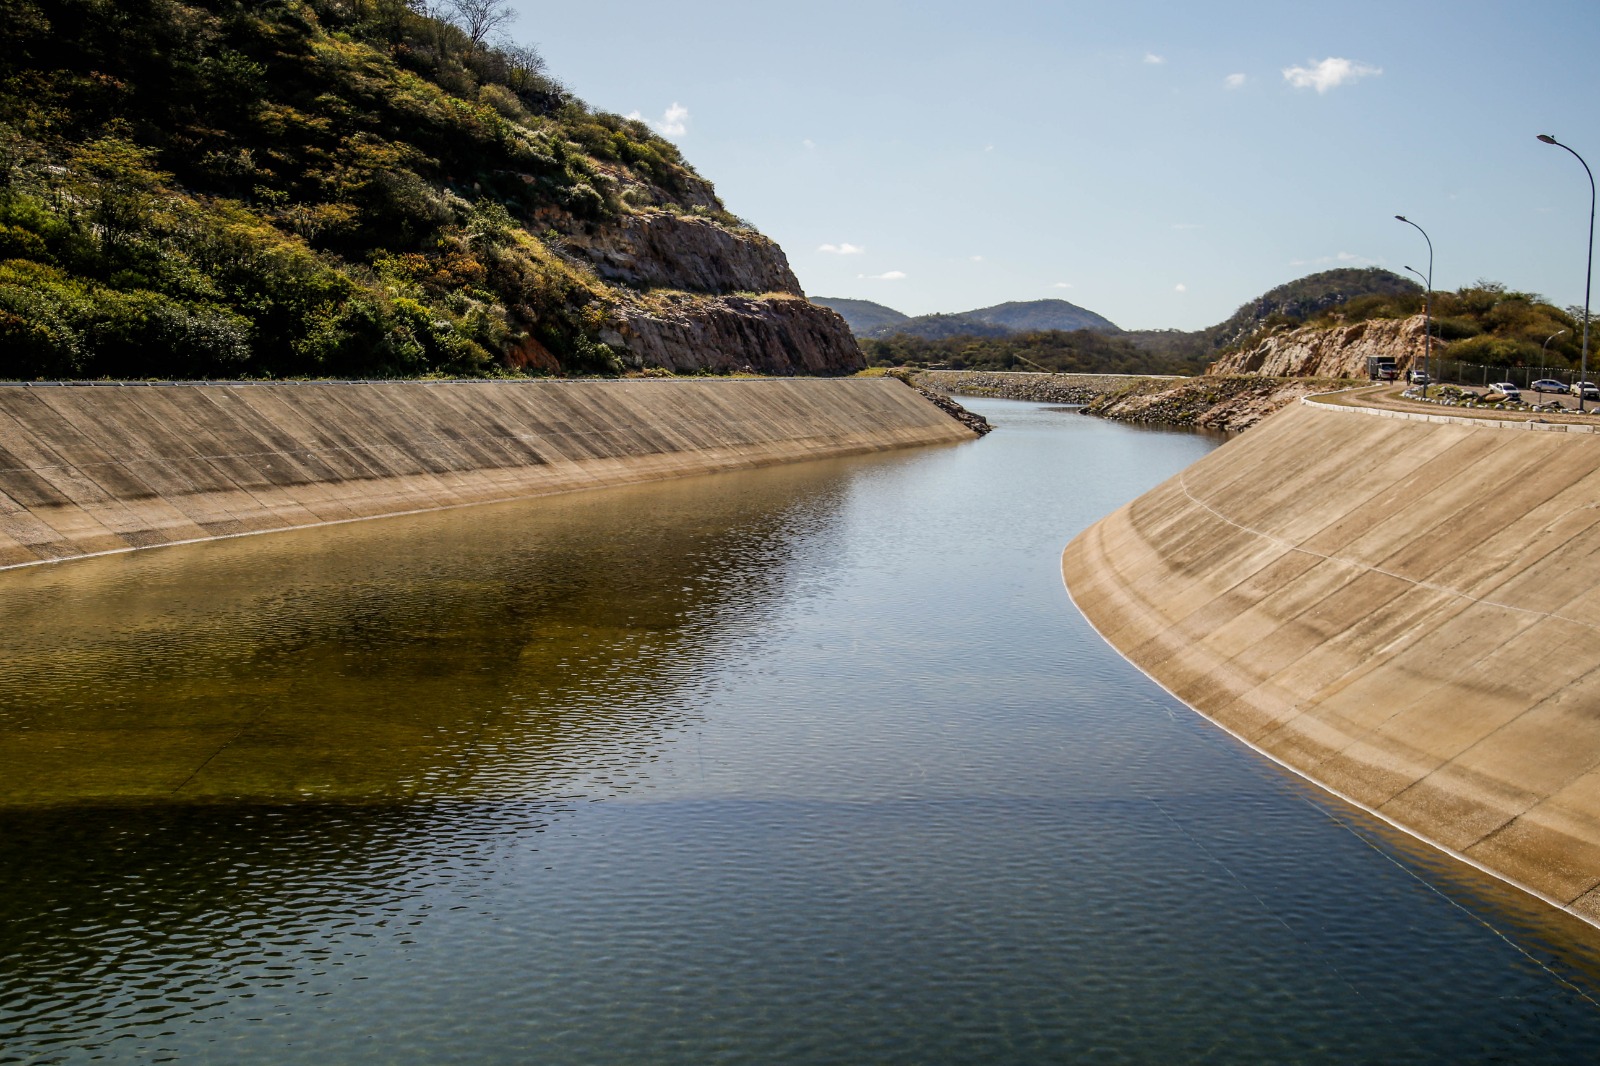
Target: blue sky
[(1159, 163)]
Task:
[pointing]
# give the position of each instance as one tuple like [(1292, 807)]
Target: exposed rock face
[(1341, 352), (768, 335), (660, 250), (693, 294)]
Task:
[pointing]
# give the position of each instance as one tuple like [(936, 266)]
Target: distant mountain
[(1031, 316), (1290, 303), (868, 319), (862, 316), (937, 327)]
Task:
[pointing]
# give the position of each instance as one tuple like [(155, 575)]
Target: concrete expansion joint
[(101, 469), (1353, 564)]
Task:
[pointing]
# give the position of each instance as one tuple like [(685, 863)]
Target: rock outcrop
[(687, 292), (684, 332), (669, 251), (1340, 352)]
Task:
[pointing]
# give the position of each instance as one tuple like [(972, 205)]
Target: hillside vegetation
[(313, 187), (1057, 351), (1485, 324)]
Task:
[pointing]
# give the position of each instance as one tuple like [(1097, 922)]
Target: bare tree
[(480, 18), (524, 65)]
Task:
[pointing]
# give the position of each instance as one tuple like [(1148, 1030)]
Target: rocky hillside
[(214, 188), (1337, 352), (1304, 298)]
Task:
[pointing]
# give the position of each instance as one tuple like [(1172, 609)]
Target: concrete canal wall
[(1406, 609), (94, 469)]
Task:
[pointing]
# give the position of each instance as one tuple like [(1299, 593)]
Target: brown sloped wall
[(103, 468), (1406, 611)]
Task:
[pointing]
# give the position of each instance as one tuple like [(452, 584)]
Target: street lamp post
[(1544, 356), (1425, 368), (1588, 267), (1427, 307)]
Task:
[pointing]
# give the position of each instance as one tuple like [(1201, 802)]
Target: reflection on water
[(814, 764), (508, 647)]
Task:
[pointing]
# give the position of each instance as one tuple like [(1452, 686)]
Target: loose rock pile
[(1228, 404), (975, 422)]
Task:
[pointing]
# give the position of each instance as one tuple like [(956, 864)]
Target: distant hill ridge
[(870, 320), (1058, 336), (1291, 302)]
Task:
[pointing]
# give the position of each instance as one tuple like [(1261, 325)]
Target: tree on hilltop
[(479, 19)]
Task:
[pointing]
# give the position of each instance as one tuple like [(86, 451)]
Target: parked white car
[(1506, 391)]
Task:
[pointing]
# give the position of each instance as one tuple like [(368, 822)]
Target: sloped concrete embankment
[(1406, 611), (86, 470)]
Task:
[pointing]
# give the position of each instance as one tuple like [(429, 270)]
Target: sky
[(1160, 163)]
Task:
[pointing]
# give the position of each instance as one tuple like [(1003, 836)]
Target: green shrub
[(1455, 329), (1490, 350)]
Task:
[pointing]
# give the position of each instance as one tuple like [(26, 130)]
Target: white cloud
[(1342, 258), (891, 275), (1234, 81), (1330, 73), (1187, 225), (1062, 285), (809, 143), (988, 148), (674, 123), (1153, 59), (1180, 287), (976, 258), (842, 249)]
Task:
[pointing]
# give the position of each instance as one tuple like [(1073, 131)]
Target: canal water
[(812, 764)]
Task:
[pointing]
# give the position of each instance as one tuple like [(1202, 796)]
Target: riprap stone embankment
[(1069, 389), (106, 468)]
